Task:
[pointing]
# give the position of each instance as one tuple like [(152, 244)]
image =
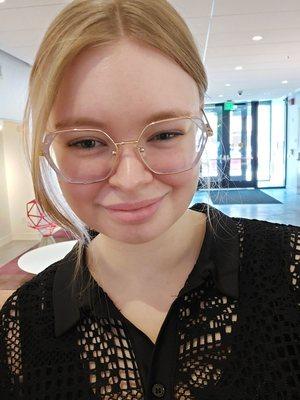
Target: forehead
[(123, 84)]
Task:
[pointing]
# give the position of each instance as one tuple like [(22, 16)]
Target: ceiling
[(223, 30)]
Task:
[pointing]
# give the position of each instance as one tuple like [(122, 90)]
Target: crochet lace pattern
[(229, 349)]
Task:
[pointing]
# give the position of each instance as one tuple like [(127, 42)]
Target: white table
[(36, 260)]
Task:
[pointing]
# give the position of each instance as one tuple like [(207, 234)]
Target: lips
[(133, 206), (136, 215)]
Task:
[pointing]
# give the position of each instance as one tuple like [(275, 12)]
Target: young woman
[(156, 300)]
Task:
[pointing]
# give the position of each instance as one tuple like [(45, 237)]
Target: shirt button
[(158, 390)]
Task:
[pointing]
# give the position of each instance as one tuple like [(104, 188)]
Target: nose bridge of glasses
[(119, 144), (136, 148)]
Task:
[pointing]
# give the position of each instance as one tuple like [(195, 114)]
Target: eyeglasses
[(169, 146)]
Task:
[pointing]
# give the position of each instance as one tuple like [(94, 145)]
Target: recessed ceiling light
[(227, 84), (2, 1), (220, 95), (257, 38), (284, 82), (238, 67)]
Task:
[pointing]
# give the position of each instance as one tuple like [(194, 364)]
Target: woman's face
[(121, 86)]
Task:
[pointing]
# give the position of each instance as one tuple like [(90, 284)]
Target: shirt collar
[(219, 257)]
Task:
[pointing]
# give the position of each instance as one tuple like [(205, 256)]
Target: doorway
[(231, 153)]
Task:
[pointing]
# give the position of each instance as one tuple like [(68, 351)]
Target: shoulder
[(271, 252), (267, 233), (26, 316), (254, 235), (39, 288), (274, 239), (29, 296), (31, 306)]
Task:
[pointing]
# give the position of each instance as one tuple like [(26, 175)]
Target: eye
[(86, 143), (165, 136)]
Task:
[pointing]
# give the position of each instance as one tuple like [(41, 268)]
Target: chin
[(134, 239), (136, 234)]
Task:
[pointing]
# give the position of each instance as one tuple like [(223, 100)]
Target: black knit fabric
[(232, 333)]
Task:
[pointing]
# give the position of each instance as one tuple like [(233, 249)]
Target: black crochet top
[(232, 333)]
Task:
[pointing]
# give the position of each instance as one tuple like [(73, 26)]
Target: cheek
[(184, 181), (79, 197)]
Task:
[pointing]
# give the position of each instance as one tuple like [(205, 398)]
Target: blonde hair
[(81, 24)]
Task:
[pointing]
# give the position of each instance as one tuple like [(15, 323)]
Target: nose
[(130, 172)]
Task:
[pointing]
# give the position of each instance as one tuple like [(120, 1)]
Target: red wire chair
[(39, 221)]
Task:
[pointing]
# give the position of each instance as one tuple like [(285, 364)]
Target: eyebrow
[(91, 122)]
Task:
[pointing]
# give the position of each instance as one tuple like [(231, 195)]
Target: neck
[(155, 258)]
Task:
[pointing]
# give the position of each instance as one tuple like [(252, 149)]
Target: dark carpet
[(241, 196)]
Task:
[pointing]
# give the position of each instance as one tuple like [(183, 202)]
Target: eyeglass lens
[(165, 147)]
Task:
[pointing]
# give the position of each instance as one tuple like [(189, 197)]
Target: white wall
[(13, 87), (298, 156), (5, 227), (19, 183), (16, 188), (293, 145)]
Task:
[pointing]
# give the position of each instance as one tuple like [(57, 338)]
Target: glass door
[(240, 165), (231, 153)]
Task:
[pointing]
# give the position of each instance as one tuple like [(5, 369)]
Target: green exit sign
[(228, 106)]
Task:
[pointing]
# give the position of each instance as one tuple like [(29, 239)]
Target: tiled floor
[(286, 213)]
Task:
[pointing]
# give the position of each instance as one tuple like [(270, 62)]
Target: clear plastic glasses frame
[(49, 137)]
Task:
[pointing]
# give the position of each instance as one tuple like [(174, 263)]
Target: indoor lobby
[(251, 164)]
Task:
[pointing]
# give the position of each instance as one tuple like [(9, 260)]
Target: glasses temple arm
[(210, 132)]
